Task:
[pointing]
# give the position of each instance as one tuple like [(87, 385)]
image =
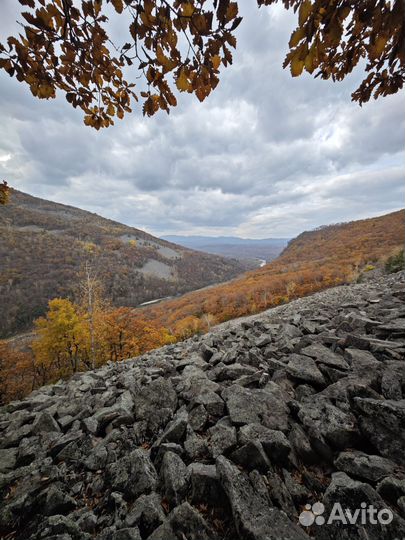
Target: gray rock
[(196, 447), (222, 437), (8, 458), (44, 422), (251, 513), (323, 355), (391, 489), (383, 423), (280, 496), (164, 532), (247, 406), (204, 483), (351, 494), (251, 456), (175, 430), (188, 523), (275, 443), (158, 452), (155, 403), (198, 417), (55, 501), (211, 401), (304, 369), (364, 466), (173, 478), (146, 513), (326, 424), (133, 474), (234, 371)]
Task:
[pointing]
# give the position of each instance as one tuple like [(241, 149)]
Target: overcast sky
[(265, 155)]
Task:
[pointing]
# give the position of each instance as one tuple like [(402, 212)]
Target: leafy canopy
[(66, 45)]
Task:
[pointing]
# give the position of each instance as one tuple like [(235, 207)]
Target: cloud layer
[(265, 155)]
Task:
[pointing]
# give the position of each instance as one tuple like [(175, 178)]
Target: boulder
[(133, 474), (222, 437), (361, 465), (354, 496), (253, 517), (305, 369), (382, 422), (173, 478), (246, 406)]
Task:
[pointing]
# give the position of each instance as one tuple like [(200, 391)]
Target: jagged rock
[(391, 489), (280, 496), (305, 369), (155, 403), (351, 495), (247, 406), (196, 447), (146, 513), (164, 532), (275, 443), (87, 522), (44, 422), (8, 458), (175, 431), (189, 523), (361, 465), (383, 423), (198, 417), (211, 401), (251, 513), (251, 456), (234, 372), (158, 452), (133, 474), (173, 478), (325, 423), (55, 501), (323, 355), (205, 486), (120, 534), (222, 437), (391, 382)]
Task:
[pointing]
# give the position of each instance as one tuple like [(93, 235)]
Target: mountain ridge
[(45, 244), (265, 249)]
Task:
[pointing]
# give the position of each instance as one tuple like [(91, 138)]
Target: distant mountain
[(266, 249), (43, 246)]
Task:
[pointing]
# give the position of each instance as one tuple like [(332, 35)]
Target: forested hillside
[(313, 261), (44, 246), (74, 336)]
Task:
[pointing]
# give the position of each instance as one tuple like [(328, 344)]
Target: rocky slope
[(225, 436)]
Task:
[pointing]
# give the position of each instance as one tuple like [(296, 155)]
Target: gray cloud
[(265, 155)]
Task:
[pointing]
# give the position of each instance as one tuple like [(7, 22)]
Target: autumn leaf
[(182, 82), (304, 11)]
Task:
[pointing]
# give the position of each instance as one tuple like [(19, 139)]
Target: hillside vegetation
[(44, 246), (72, 337), (313, 261)]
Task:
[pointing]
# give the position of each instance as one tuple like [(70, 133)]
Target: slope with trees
[(44, 247)]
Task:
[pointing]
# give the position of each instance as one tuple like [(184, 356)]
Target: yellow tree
[(61, 346)]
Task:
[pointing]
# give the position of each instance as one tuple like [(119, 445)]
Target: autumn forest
[(85, 330)]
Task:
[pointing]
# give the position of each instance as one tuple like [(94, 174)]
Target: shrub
[(395, 263)]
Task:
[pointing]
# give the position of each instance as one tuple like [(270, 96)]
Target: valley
[(45, 245)]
